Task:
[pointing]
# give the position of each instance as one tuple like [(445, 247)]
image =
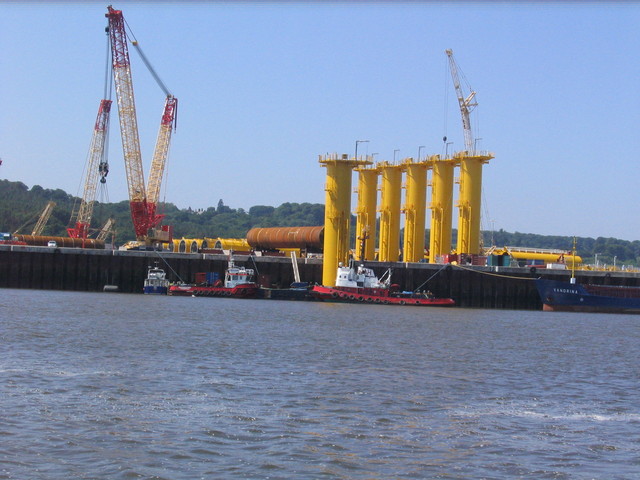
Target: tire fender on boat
[(402, 302)]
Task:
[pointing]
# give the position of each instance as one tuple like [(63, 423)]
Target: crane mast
[(128, 123), (96, 166), (156, 172), (44, 218), (107, 228), (467, 104)]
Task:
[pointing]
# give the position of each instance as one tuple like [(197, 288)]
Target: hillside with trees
[(21, 206)]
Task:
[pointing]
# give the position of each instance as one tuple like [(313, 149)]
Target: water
[(117, 386)]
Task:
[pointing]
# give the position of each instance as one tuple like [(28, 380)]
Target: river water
[(123, 386)]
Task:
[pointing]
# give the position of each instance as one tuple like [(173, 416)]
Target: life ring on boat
[(385, 302), (334, 294), (402, 302), (369, 299), (377, 300), (361, 299)]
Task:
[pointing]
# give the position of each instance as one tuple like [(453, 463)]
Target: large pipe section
[(469, 202), (441, 207), (305, 238), (391, 192), (414, 209), (366, 212), (43, 241), (337, 212)]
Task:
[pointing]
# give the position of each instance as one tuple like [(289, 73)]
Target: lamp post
[(419, 149), (394, 155), (446, 149), (475, 143), (357, 142), (493, 229)]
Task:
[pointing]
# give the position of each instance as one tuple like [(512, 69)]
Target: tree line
[(20, 206)]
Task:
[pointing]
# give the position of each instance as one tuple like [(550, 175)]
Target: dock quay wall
[(76, 269)]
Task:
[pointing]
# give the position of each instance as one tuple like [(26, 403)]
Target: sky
[(264, 88)]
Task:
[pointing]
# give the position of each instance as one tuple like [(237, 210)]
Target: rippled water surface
[(117, 386)]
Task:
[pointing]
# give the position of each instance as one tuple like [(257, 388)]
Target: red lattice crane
[(143, 204), (96, 166), (162, 149)]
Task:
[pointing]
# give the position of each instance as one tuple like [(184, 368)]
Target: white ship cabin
[(156, 277), (235, 276), (361, 278)]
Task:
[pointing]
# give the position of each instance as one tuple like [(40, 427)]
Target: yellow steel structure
[(44, 218), (441, 206), (391, 189), (366, 211), (545, 255), (414, 209), (469, 201), (337, 213)]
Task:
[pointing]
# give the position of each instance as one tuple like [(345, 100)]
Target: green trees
[(19, 204)]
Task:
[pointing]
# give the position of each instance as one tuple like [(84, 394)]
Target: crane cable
[(145, 60)]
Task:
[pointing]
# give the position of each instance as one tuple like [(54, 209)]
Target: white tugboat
[(156, 282)]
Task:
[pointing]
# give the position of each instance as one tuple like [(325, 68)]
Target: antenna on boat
[(573, 262), (364, 236)]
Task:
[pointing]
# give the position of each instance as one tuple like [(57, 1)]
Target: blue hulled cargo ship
[(575, 297)]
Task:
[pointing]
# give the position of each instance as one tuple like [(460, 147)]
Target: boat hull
[(376, 296), (155, 290), (558, 296), (239, 291)]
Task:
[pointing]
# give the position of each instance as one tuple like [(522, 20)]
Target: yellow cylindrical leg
[(470, 203), (366, 212), (337, 213), (441, 207), (389, 249), (414, 210)]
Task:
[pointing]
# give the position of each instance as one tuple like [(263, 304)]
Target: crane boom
[(44, 218), (107, 228), (128, 123), (467, 104), (96, 166), (160, 155)]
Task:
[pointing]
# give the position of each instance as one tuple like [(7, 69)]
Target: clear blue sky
[(264, 88)]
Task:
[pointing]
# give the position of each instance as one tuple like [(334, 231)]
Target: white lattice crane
[(467, 103)]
